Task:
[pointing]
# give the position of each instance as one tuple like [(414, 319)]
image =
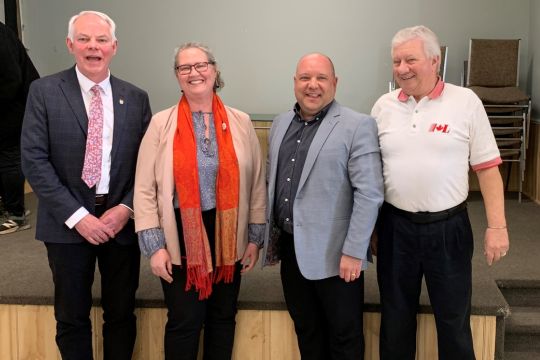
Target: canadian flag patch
[(442, 128)]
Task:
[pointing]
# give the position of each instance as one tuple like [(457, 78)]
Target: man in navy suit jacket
[(81, 223), (324, 191)]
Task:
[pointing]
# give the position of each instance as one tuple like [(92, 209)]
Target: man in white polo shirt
[(430, 133)]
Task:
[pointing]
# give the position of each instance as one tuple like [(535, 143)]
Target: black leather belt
[(101, 199), (426, 217), (286, 235)]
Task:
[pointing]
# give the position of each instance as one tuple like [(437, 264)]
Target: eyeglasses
[(186, 68)]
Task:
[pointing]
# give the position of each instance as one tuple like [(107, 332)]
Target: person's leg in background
[(12, 184), (1, 202)]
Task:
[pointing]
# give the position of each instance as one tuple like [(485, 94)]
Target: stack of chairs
[(493, 74)]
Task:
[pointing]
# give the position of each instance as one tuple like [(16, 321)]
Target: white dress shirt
[(102, 187)]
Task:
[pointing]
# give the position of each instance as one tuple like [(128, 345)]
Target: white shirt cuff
[(132, 216), (76, 217)]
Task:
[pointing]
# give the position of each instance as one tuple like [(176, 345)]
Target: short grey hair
[(432, 47), (105, 17), (209, 55)]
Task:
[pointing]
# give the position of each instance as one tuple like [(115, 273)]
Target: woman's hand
[(161, 265), (251, 255)]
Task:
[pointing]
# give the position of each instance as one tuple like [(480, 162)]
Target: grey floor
[(26, 276)]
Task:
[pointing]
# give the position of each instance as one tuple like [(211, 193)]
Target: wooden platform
[(27, 332)]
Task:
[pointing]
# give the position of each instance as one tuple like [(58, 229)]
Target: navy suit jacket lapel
[(120, 103), (327, 124), (72, 91)]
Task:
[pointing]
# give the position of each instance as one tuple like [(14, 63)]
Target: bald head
[(318, 56), (314, 84)]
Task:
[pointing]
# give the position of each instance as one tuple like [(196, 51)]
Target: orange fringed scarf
[(199, 260)]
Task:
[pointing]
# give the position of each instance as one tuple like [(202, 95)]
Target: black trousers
[(187, 314), (73, 267), (12, 180), (327, 313), (440, 251)]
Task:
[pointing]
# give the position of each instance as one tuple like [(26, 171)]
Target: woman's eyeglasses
[(186, 68)]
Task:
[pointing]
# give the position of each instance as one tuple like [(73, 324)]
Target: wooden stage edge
[(27, 332)]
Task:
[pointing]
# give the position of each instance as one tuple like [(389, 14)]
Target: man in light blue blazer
[(325, 188)]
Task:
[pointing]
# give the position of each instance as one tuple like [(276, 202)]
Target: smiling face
[(196, 84), (314, 84), (92, 46), (415, 73)]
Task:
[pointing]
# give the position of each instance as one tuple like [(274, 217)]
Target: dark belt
[(101, 199), (286, 235), (426, 217)]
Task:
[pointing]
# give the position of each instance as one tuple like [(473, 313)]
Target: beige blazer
[(154, 179)]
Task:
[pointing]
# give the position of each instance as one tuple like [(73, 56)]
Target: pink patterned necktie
[(92, 159)]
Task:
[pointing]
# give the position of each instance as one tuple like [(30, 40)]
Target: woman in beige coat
[(199, 207)]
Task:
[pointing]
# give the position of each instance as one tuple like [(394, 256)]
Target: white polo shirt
[(427, 146)]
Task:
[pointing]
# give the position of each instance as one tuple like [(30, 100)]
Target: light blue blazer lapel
[(72, 91), (326, 127), (120, 104)]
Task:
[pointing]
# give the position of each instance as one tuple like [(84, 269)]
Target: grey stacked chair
[(444, 56), (392, 85), (493, 74)]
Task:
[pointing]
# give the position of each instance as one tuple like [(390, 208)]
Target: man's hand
[(496, 241), (350, 268), (251, 255), (116, 218), (94, 230), (161, 265), (496, 244)]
